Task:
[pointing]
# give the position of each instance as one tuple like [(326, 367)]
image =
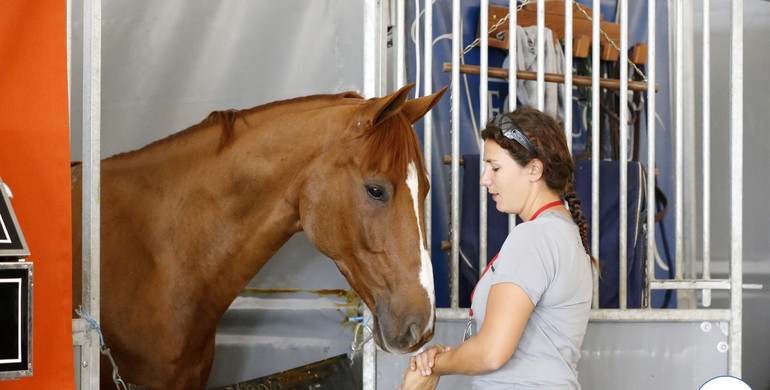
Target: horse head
[(362, 204)]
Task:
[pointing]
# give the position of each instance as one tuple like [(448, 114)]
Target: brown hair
[(547, 137)]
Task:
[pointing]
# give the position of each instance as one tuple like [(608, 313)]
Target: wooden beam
[(550, 77)]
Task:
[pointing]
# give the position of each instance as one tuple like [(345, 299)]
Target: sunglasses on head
[(509, 129)]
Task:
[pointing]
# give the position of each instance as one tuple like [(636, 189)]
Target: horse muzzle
[(404, 334)]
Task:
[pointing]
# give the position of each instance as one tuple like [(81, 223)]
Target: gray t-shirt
[(545, 257)]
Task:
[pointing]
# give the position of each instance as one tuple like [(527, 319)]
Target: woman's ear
[(535, 169)]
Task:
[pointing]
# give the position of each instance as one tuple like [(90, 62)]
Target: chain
[(523, 4), (638, 71), (115, 376), (493, 28)]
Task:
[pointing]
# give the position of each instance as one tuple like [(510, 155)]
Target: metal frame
[(683, 90), (82, 334)]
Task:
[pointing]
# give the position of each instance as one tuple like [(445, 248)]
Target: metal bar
[(736, 186), (369, 358), (706, 152), (513, 58), (417, 56), (679, 141), (622, 103), (91, 183), (446, 314), (455, 169), (541, 55), (483, 115), (690, 174), (595, 151), (568, 74), (690, 284), (372, 87), (651, 124), (372, 63), (513, 65), (617, 315), (400, 43), (428, 118), (80, 332), (659, 315)]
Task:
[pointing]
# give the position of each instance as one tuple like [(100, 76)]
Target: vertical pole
[(483, 118), (513, 66), (400, 43), (568, 74), (651, 36), (455, 169), (91, 185), (736, 186), (417, 56), (541, 55), (428, 118), (623, 103), (372, 48), (690, 172), (595, 152), (706, 154), (679, 141), (372, 87)]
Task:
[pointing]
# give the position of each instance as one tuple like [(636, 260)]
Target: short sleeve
[(523, 262)]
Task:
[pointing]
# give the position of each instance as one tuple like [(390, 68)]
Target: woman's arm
[(507, 312)]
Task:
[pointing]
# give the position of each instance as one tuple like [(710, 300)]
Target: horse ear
[(416, 109), (377, 109)]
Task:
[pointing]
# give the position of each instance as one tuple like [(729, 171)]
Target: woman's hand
[(414, 380), (423, 362)]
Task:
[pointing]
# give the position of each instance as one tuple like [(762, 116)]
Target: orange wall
[(34, 163)]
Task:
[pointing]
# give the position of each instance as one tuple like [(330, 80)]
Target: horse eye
[(375, 192)]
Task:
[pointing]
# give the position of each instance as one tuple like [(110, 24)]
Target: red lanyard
[(546, 207)]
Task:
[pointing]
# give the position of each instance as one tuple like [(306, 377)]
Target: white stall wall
[(167, 64)]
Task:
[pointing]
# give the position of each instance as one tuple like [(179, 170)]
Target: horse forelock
[(390, 146)]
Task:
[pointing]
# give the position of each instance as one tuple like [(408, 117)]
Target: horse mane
[(225, 119), (391, 146)]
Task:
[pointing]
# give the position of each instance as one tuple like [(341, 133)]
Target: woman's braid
[(573, 203)]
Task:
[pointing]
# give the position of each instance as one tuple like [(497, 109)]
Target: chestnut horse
[(188, 221)]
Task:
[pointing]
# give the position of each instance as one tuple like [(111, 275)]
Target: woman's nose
[(484, 179)]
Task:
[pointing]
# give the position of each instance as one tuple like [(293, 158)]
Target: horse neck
[(243, 198)]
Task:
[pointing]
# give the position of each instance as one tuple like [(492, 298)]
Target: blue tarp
[(471, 120)]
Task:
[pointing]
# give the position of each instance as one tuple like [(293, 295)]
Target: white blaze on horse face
[(426, 269)]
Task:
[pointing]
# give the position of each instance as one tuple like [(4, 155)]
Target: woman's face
[(507, 181)]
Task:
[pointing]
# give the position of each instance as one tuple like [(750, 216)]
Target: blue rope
[(93, 324), (359, 319)]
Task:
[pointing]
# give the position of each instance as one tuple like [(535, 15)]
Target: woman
[(531, 304)]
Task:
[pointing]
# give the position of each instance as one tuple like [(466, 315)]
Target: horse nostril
[(414, 334)]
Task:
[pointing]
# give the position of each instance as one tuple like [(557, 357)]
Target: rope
[(103, 350), (93, 325), (357, 345)]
